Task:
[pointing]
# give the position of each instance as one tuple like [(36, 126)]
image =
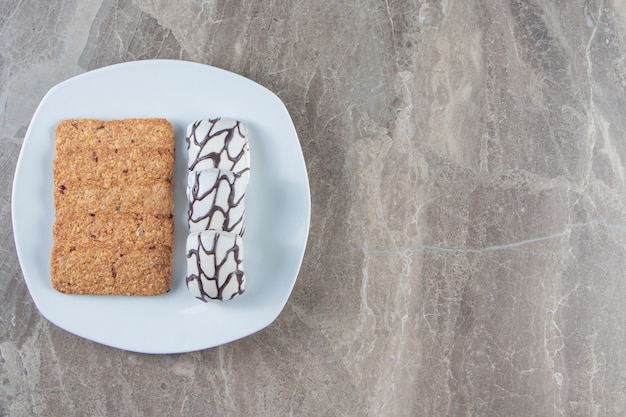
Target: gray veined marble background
[(467, 254)]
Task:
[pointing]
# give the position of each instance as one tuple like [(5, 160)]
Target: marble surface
[(467, 254)]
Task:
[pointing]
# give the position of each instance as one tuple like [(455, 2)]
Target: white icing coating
[(216, 200), (218, 143), (215, 265)]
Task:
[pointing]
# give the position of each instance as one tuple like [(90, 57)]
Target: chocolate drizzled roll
[(216, 200), (218, 143), (215, 265)]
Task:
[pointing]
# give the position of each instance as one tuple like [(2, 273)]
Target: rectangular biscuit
[(111, 270), (133, 133), (109, 165), (90, 197), (85, 229)]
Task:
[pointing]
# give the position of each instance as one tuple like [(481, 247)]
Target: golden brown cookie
[(114, 203)]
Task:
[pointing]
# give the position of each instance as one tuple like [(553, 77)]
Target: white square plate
[(277, 205)]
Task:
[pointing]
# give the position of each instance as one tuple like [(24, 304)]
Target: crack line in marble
[(431, 248), (592, 129), (390, 14)]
